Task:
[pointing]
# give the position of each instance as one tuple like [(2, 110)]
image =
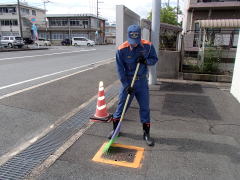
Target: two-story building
[(54, 27), (9, 19), (66, 26), (215, 21)]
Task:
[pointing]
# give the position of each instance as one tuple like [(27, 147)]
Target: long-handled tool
[(117, 130)]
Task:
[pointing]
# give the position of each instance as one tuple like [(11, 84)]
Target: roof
[(75, 15), (170, 27), (219, 23), (214, 5), (22, 4)]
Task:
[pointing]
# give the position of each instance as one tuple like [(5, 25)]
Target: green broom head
[(108, 145), (113, 139)]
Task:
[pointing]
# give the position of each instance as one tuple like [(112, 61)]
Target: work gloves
[(130, 90), (142, 60)]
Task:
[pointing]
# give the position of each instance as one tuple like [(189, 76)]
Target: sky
[(106, 7)]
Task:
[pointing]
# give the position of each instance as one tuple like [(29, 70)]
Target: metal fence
[(215, 44)]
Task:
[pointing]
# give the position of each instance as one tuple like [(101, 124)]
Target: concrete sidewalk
[(196, 129)]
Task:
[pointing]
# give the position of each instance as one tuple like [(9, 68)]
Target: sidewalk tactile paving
[(23, 163)]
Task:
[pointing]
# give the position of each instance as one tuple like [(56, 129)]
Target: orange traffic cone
[(101, 110)]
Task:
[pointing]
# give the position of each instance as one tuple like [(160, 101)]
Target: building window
[(9, 22), (52, 22), (3, 10), (7, 10), (64, 23), (79, 23), (34, 12), (25, 11), (235, 37), (196, 27), (14, 22), (58, 22), (85, 23), (196, 34), (74, 23), (57, 36)]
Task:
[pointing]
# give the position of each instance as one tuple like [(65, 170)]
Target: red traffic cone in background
[(101, 113)]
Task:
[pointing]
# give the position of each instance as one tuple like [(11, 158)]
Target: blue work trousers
[(141, 92)]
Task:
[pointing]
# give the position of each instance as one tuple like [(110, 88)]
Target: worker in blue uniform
[(133, 51)]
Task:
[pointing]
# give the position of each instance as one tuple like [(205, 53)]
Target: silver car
[(42, 42), (12, 41)]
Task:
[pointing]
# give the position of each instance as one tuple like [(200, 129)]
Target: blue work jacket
[(126, 60)]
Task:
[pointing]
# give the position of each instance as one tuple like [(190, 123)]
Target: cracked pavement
[(196, 130)]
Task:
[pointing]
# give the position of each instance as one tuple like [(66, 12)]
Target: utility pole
[(97, 34), (97, 8), (168, 2), (20, 18), (98, 2), (156, 7), (44, 4), (177, 9)]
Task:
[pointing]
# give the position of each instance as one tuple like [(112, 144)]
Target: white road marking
[(50, 81), (44, 76), (68, 52), (47, 75)]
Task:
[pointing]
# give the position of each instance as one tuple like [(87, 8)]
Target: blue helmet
[(134, 34)]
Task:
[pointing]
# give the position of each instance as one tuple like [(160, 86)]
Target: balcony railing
[(208, 1), (219, 4)]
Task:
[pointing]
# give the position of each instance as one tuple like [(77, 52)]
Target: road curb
[(53, 157), (27, 49), (7, 156)]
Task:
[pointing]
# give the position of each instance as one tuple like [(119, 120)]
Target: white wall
[(235, 89), (124, 18), (186, 16), (146, 34)]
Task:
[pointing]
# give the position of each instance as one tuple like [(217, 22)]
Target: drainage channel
[(23, 163)]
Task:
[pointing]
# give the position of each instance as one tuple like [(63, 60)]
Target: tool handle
[(128, 96), (135, 74)]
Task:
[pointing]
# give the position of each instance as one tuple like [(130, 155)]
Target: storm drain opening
[(120, 155)]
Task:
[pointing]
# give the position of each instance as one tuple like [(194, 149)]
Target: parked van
[(12, 41), (82, 41)]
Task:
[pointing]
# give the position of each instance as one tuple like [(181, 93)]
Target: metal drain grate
[(120, 154), (23, 163)]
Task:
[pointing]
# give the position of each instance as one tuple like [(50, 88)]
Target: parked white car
[(42, 42), (12, 41), (82, 41)]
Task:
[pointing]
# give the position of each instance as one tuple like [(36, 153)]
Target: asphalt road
[(39, 88), (19, 70)]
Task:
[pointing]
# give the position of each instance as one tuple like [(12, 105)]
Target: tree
[(168, 15)]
